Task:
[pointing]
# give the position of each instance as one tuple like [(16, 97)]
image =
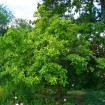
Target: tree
[(46, 54), (85, 8), (24, 24), (5, 18), (102, 2), (90, 19), (55, 51)]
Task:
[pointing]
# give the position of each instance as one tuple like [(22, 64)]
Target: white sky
[(21, 8)]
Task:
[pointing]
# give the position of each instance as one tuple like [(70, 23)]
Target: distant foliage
[(5, 17)]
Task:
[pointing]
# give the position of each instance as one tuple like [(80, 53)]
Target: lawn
[(83, 97), (86, 97)]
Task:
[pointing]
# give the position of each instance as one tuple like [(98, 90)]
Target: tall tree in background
[(5, 18), (89, 9), (102, 2)]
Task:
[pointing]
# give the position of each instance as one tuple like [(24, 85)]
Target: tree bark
[(59, 92), (104, 54), (103, 9), (94, 49)]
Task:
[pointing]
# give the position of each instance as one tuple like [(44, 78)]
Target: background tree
[(24, 24), (5, 17)]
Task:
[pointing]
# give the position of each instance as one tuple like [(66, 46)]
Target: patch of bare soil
[(79, 99)]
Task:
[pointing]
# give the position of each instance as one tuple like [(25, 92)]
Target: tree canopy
[(5, 18), (60, 49)]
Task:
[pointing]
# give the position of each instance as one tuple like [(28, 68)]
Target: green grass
[(94, 98), (87, 97)]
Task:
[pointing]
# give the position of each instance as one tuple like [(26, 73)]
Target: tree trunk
[(59, 92), (103, 9), (104, 54), (94, 49)]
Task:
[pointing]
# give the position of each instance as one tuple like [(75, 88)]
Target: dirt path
[(76, 97), (79, 98)]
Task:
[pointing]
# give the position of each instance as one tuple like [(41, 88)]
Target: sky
[(22, 8)]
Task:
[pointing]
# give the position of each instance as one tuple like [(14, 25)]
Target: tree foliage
[(5, 18), (60, 49), (90, 20)]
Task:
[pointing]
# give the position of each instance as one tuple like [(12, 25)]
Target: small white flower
[(21, 103), (65, 100), (15, 97)]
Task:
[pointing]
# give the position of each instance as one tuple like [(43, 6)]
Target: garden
[(57, 59)]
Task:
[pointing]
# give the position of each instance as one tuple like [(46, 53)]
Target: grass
[(94, 98), (75, 97), (86, 97), (90, 97)]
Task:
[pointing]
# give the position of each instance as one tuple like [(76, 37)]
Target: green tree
[(24, 24), (47, 54), (57, 51), (5, 18), (90, 20)]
